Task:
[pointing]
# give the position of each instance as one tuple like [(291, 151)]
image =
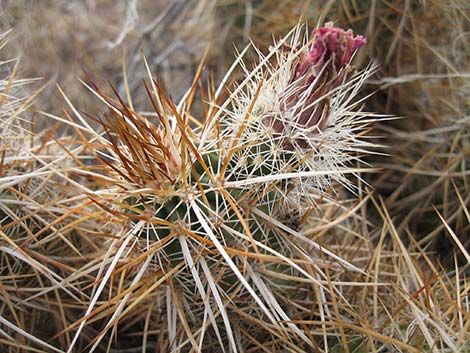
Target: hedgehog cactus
[(217, 205)]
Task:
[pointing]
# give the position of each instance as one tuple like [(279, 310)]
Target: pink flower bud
[(333, 43), (331, 52)]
